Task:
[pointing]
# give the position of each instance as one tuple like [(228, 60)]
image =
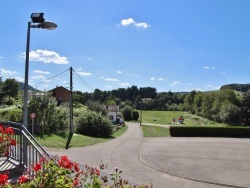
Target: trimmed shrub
[(135, 115), (127, 113), (194, 131), (91, 123)]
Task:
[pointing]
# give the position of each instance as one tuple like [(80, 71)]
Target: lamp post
[(141, 113), (37, 21)]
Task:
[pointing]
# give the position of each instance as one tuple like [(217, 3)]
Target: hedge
[(194, 131)]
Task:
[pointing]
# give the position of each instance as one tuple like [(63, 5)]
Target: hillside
[(21, 86), (238, 87)]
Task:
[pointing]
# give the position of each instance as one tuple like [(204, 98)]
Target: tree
[(189, 100), (127, 113), (245, 109), (49, 117), (197, 104), (11, 87), (97, 107), (230, 114), (135, 115)]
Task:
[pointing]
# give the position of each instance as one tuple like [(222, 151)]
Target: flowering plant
[(6, 141), (60, 172)]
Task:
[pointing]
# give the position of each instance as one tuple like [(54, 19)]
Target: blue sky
[(177, 45)]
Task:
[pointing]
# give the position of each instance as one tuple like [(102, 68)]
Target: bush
[(195, 131), (230, 114), (8, 100), (11, 115), (49, 117), (91, 123), (127, 113), (135, 115)]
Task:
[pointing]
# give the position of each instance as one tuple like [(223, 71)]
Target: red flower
[(97, 172), (37, 167), (13, 142), (76, 182), (6, 154), (9, 130), (3, 179), (22, 179)]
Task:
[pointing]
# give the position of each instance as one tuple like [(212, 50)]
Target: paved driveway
[(148, 160)]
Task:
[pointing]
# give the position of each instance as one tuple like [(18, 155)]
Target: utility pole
[(71, 102), (71, 110)]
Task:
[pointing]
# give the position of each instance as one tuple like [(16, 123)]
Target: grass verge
[(155, 131), (55, 141)]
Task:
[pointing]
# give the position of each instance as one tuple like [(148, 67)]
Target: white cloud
[(101, 77), (131, 21), (41, 72), (7, 72), (90, 58), (85, 73), (210, 85), (19, 79), (175, 83), (112, 79), (46, 56), (206, 67), (126, 22), (38, 77), (125, 84), (1, 57), (228, 77), (152, 78), (161, 79), (79, 69), (119, 72), (142, 24)]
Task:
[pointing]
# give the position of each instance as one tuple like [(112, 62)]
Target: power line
[(85, 83), (44, 81)]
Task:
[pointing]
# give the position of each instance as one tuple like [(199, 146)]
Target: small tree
[(127, 113), (230, 114), (93, 124), (135, 115), (97, 107), (50, 118)]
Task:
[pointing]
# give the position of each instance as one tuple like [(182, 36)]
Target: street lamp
[(37, 21), (141, 113)]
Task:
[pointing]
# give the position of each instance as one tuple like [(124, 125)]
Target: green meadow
[(165, 117)]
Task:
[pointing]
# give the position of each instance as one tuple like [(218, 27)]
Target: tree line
[(223, 106)]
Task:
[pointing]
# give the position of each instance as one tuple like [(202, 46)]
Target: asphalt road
[(169, 162)]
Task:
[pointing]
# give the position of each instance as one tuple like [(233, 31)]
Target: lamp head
[(37, 17)]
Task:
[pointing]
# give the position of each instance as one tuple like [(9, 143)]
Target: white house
[(114, 114)]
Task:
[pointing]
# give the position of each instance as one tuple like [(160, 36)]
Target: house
[(61, 93), (114, 114)]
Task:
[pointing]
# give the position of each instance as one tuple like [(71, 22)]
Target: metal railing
[(27, 150)]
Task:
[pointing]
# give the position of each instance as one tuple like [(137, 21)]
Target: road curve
[(124, 152)]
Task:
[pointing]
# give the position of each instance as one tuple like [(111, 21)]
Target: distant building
[(61, 94), (114, 114)]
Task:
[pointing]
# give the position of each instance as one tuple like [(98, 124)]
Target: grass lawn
[(155, 131), (164, 117), (78, 140)]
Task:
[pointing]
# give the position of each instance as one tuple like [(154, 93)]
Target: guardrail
[(27, 150)]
